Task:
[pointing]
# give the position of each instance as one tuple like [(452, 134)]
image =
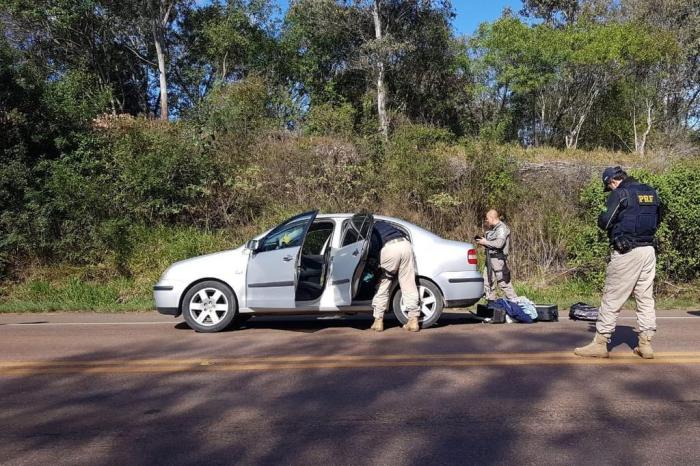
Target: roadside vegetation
[(100, 190)]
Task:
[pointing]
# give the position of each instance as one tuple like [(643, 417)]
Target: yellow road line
[(337, 358), (333, 362)]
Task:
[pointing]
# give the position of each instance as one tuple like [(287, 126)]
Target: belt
[(395, 240), (497, 255)]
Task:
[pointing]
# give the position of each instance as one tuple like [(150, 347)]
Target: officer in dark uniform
[(396, 263), (631, 219)]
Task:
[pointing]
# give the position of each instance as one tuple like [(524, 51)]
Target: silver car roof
[(413, 227)]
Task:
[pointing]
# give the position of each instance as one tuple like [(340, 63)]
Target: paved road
[(145, 389)]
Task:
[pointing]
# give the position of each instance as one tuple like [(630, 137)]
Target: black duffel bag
[(583, 311)]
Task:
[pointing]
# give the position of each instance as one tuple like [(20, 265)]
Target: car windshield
[(288, 235)]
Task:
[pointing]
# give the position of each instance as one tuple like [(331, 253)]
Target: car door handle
[(288, 258), (355, 252)]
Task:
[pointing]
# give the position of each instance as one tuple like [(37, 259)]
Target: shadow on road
[(412, 416), (312, 324)]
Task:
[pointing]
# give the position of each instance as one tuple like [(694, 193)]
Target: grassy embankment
[(99, 287)]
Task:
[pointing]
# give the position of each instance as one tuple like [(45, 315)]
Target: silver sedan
[(315, 264)]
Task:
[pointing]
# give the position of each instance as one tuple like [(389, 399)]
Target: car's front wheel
[(209, 306), (429, 299)]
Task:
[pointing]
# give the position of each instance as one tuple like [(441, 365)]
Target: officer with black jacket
[(396, 263), (631, 219)]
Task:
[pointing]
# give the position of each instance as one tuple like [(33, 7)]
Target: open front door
[(272, 267), (351, 255)]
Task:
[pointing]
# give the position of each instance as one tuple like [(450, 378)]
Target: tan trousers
[(497, 279), (630, 273), (397, 259)]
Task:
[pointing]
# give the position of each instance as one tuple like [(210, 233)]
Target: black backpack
[(490, 313), (583, 311)]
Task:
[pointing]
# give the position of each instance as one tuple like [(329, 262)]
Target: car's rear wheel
[(430, 301), (209, 306)]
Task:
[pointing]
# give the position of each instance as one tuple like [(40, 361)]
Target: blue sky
[(470, 13)]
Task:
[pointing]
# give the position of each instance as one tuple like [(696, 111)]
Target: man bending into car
[(396, 262)]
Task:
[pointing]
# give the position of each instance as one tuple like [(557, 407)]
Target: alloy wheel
[(208, 307)]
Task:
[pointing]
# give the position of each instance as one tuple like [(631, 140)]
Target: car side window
[(316, 238), (288, 237), (349, 237)]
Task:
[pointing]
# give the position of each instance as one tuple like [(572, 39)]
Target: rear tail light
[(471, 257)]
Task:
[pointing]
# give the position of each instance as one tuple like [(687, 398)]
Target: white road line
[(664, 317), (35, 324)]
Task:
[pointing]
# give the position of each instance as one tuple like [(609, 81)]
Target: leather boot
[(644, 348), (378, 325), (598, 348), (412, 324)]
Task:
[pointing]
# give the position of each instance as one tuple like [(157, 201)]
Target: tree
[(224, 42), (381, 86), (402, 53), (555, 76), (65, 35), (146, 29), (679, 91), (161, 15), (552, 12)]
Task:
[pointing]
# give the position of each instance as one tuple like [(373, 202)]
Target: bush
[(414, 169), (326, 120), (136, 171), (678, 235), (237, 111), (76, 98), (158, 168)]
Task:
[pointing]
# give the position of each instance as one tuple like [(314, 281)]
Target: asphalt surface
[(105, 389)]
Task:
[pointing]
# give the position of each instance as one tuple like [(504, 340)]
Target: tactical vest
[(387, 232), (639, 219)]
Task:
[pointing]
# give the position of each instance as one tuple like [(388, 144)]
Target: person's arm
[(498, 242), (614, 204)]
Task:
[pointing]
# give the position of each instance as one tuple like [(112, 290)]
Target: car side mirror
[(253, 245)]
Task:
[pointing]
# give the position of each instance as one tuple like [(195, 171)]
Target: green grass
[(74, 294), (568, 292), (564, 293), (99, 288)]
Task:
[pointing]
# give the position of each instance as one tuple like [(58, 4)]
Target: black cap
[(608, 174)]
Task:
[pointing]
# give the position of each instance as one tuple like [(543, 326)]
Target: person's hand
[(481, 241)]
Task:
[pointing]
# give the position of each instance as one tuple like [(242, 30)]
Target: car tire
[(431, 310), (209, 307)]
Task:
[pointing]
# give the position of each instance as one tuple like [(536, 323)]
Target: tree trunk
[(640, 141), (381, 86), (571, 139), (157, 39)]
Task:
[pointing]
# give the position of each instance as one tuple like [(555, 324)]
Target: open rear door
[(272, 268), (351, 255)]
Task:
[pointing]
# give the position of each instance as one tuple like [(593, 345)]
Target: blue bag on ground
[(514, 311), (527, 306)]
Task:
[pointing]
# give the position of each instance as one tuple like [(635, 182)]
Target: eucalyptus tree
[(400, 52), (555, 76), (678, 90), (226, 41)]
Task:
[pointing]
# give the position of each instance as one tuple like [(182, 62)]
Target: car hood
[(207, 265)]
